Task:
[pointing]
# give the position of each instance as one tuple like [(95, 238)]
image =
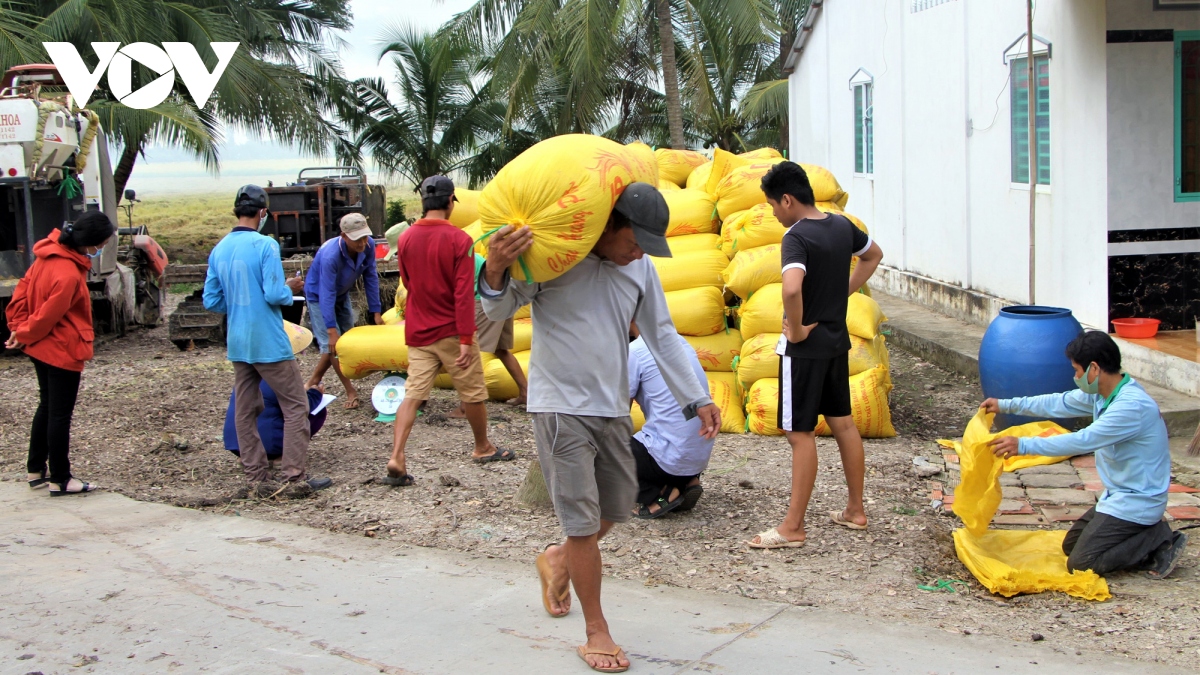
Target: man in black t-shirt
[(814, 373)]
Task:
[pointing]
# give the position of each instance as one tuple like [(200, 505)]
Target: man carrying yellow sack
[(1125, 529)]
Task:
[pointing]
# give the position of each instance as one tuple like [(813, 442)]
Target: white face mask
[(262, 221)]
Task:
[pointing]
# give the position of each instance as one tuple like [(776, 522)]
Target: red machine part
[(154, 253)]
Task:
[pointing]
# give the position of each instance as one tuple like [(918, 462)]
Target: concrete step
[(954, 345)]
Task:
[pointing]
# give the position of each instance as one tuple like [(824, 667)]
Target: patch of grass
[(187, 226), (184, 289), (904, 510)]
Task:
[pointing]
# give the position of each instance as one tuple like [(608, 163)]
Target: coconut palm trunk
[(666, 38)]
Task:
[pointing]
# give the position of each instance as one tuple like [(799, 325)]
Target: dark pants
[(1103, 543), (651, 477), (50, 437), (285, 380)]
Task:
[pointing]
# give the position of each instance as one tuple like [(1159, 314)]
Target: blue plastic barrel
[(1023, 354)]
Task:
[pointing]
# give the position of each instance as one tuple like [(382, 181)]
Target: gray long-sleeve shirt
[(580, 359)]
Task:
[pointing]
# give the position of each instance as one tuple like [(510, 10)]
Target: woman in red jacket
[(50, 316)]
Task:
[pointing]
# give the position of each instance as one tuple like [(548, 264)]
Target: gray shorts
[(589, 469)]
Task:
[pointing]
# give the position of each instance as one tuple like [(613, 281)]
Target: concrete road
[(101, 583)]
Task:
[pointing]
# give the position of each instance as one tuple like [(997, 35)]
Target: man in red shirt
[(437, 265)]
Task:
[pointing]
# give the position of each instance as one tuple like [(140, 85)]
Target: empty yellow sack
[(761, 153), (751, 228), (691, 270), (637, 416), (763, 312), (762, 407), (697, 311), (717, 352), (368, 349), (1012, 562), (1019, 462), (647, 161), (753, 268), (667, 186), (723, 389), (863, 316), (563, 189), (758, 360), (694, 242), (676, 166), (691, 212), (466, 209), (522, 335), (867, 354), (698, 179), (500, 385), (868, 405)]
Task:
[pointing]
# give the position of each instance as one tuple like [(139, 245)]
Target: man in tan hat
[(336, 268)]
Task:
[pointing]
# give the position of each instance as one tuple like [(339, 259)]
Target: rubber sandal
[(403, 480), (771, 539), (617, 653), (690, 496), (39, 482), (352, 404), (664, 507), (501, 455), (544, 574), (836, 516), (87, 487)]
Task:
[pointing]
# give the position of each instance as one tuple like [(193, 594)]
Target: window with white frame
[(863, 86), (1017, 58)]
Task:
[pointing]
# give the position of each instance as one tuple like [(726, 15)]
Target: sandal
[(544, 574), (771, 539), (501, 455), (836, 516), (664, 507), (616, 653), (84, 487), (39, 482), (351, 404), (691, 495), (403, 480)]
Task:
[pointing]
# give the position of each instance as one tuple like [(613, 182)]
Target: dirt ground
[(148, 425)]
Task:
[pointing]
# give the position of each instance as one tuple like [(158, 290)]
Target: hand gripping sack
[(676, 165), (751, 269), (723, 389), (466, 210), (691, 270), (368, 349), (686, 243), (763, 312), (717, 352), (758, 360), (751, 228), (697, 311), (646, 159), (563, 189), (691, 212)]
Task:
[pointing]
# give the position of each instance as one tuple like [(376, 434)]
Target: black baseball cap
[(251, 195), (437, 186), (645, 207)]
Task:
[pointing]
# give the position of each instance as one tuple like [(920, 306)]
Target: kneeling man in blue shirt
[(1125, 530)]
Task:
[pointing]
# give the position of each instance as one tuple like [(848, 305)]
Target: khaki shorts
[(492, 335), (424, 364), (589, 469)]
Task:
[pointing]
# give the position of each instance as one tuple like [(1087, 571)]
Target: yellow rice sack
[(400, 300), (697, 311), (368, 349), (466, 209), (392, 317), (717, 352), (687, 243), (667, 186), (647, 161), (863, 316), (676, 166), (828, 207), (762, 407), (868, 404), (691, 212), (698, 179), (753, 268), (761, 153), (522, 335), (475, 231), (524, 312), (723, 389), (751, 228), (867, 354), (825, 185), (637, 416), (763, 312), (742, 187), (564, 189), (691, 270), (758, 360), (500, 385)]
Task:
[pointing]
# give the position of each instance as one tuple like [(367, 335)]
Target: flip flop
[(544, 575), (457, 414), (690, 496), (403, 480), (771, 539), (617, 653), (501, 455), (351, 404), (836, 516)]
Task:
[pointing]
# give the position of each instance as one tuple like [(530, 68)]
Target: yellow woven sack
[(647, 162), (758, 360), (761, 153), (392, 317), (698, 179), (753, 268), (863, 316), (691, 212), (676, 166), (723, 389), (751, 228), (524, 312), (1012, 562), (691, 270), (868, 405), (466, 210), (724, 162), (368, 349), (1020, 461), (637, 416), (400, 300), (763, 312), (522, 335), (978, 494), (475, 231), (762, 407), (697, 311), (667, 186), (828, 207), (867, 354), (687, 243), (564, 189), (500, 385), (742, 187), (825, 185), (717, 352)]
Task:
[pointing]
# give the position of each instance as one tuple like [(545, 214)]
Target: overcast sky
[(246, 159)]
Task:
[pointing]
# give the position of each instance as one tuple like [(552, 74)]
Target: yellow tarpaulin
[(1008, 562)]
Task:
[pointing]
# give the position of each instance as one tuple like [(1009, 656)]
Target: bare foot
[(520, 400), (395, 468), (558, 590), (351, 403), (458, 413), (486, 451), (603, 642), (786, 533)]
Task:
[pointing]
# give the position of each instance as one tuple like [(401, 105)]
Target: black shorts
[(812, 387)]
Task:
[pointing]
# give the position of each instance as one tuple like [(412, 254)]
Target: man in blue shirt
[(246, 283), (335, 269), (1125, 530)]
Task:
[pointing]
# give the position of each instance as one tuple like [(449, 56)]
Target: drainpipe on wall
[(1032, 96)]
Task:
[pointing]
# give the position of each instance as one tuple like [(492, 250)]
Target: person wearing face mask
[(1125, 529), (335, 269), (50, 317), (246, 283)]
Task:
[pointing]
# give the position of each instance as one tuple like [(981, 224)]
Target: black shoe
[(1165, 562), (318, 484)]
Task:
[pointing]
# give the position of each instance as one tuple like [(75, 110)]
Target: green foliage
[(395, 212)]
